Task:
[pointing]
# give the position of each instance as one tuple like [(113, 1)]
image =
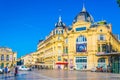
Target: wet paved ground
[(59, 75)]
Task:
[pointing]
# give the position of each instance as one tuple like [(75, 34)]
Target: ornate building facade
[(28, 60), (84, 45), (7, 57)]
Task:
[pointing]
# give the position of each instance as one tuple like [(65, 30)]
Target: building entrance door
[(101, 63), (81, 63), (115, 64)]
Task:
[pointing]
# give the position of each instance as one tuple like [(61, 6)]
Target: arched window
[(101, 62), (81, 39), (2, 57), (7, 58), (81, 44)]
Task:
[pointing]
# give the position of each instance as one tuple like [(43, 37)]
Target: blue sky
[(24, 22)]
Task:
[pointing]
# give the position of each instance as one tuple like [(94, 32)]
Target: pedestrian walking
[(6, 69), (16, 71)]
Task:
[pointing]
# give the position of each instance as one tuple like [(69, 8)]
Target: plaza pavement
[(59, 75)]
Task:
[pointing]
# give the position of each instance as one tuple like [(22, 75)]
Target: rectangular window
[(66, 50), (59, 58), (7, 59), (99, 48), (63, 50), (56, 32), (62, 31), (80, 28), (101, 37), (59, 32), (81, 59), (2, 57), (66, 41), (103, 48), (58, 37), (59, 51)]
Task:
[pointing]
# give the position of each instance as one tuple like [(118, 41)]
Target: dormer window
[(59, 31), (62, 31), (60, 24)]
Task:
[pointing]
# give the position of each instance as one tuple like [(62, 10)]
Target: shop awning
[(62, 63), (43, 64)]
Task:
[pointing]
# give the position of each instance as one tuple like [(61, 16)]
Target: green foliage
[(102, 22), (118, 1)]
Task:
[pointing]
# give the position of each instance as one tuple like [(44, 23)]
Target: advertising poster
[(81, 47)]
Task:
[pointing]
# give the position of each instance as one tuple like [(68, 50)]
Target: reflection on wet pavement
[(59, 75)]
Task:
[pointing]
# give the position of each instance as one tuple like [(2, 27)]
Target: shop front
[(81, 63), (102, 63), (62, 65), (113, 62)]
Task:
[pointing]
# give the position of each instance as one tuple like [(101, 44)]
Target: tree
[(118, 1)]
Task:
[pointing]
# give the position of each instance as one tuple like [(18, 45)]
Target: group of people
[(6, 70)]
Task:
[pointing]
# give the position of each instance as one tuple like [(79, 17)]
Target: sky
[(24, 22)]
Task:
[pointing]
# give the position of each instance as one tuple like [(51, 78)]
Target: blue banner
[(81, 47)]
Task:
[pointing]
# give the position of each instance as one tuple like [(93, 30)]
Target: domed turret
[(83, 16), (60, 23)]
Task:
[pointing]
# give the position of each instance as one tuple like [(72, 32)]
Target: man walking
[(16, 71)]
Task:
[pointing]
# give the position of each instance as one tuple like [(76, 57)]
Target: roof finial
[(60, 19), (83, 9)]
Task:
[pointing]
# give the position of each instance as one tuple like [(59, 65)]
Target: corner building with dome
[(83, 46)]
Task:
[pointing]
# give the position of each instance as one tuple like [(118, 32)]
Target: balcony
[(65, 54), (101, 41), (39, 62), (107, 54)]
